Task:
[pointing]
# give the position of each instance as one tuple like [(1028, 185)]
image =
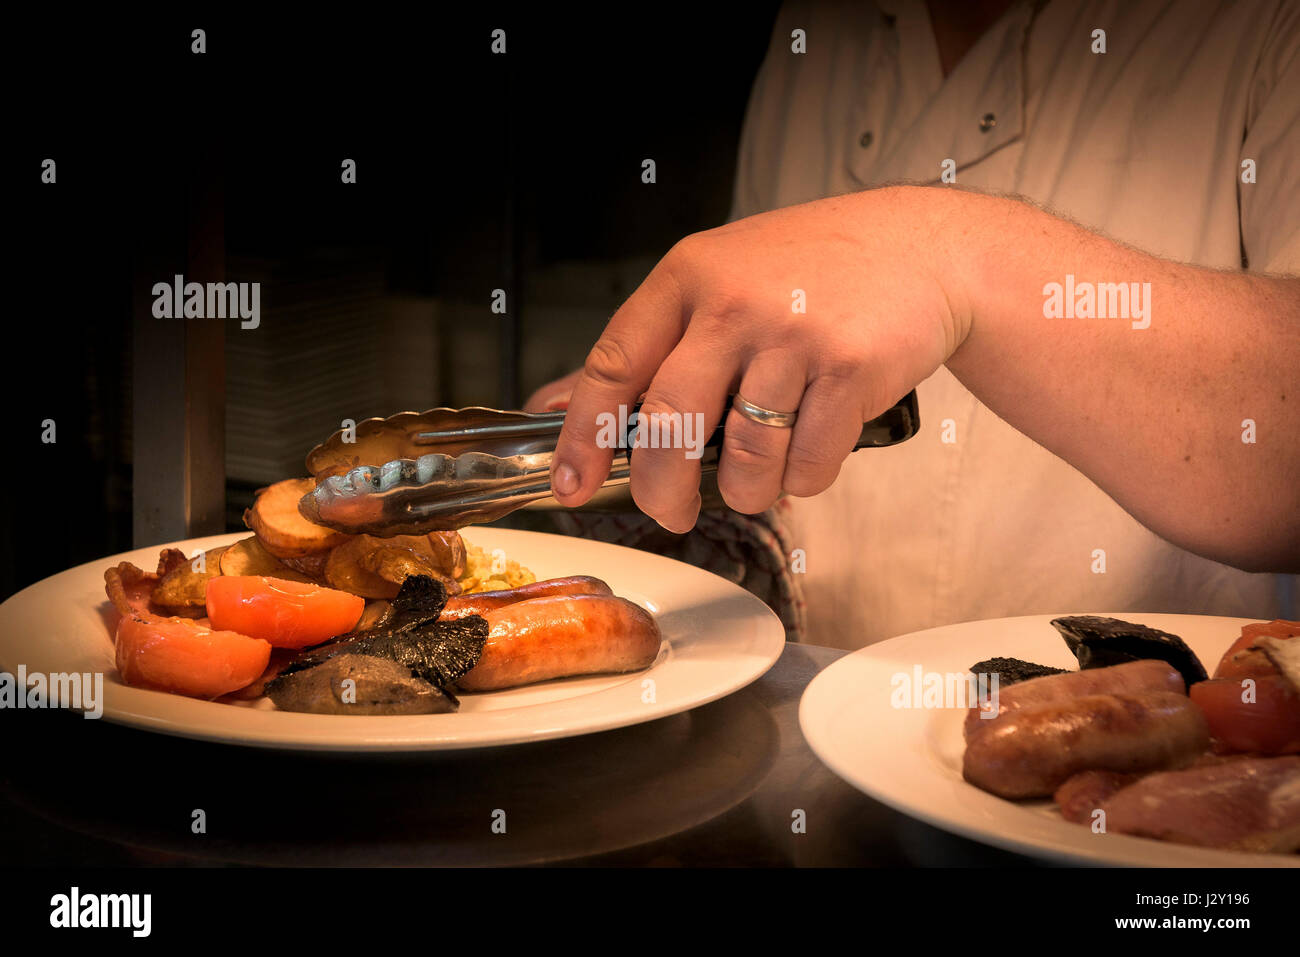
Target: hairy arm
[(1150, 393), (1189, 416)]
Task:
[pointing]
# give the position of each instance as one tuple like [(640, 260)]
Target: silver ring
[(780, 420)]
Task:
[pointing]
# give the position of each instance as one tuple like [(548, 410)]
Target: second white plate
[(910, 757)]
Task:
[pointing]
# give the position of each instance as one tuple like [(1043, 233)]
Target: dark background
[(474, 172)]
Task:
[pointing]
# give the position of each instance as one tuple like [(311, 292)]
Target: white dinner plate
[(910, 758), (717, 638)]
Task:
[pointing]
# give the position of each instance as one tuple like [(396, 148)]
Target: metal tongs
[(443, 469)]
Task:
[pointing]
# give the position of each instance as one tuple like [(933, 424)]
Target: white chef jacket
[(1145, 143)]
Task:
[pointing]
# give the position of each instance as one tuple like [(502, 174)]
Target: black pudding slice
[(1012, 670), (1101, 642)]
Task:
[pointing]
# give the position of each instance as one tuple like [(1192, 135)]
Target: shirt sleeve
[(1270, 207)]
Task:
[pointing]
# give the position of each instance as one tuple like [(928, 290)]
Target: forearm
[(1150, 398)]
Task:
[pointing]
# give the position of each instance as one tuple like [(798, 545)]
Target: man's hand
[(834, 308), (1182, 406)]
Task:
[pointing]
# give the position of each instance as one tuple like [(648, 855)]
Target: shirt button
[(866, 139), (987, 122)]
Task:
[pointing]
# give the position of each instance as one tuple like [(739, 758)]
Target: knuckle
[(680, 263), (683, 251), (662, 423), (749, 473), (725, 304), (748, 455), (851, 382), (608, 363), (841, 364), (662, 404), (844, 358), (809, 471), (815, 453)]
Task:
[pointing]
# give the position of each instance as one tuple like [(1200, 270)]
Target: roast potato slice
[(183, 586), (398, 558), (449, 553), (346, 569), (313, 566), (374, 567), (250, 557), (282, 529), (395, 564)]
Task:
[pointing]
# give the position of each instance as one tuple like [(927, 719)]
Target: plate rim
[(394, 734)]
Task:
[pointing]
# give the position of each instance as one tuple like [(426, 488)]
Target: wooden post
[(179, 371)]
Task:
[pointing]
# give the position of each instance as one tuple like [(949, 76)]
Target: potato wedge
[(396, 563), (448, 552), (250, 557), (374, 567), (344, 569), (184, 586), (282, 529), (313, 566)]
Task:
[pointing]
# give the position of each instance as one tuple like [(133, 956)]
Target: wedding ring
[(780, 420)]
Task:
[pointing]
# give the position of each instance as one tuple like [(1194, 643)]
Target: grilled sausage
[(483, 602), (1133, 677), (1034, 750), (560, 636)]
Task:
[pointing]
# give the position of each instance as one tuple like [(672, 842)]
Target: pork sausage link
[(1132, 677), (1034, 750), (480, 603), (560, 636)]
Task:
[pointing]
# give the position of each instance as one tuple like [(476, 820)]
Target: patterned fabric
[(752, 551)]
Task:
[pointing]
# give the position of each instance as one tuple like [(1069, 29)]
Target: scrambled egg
[(491, 571)]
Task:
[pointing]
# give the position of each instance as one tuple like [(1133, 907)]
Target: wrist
[(978, 265), (944, 235)]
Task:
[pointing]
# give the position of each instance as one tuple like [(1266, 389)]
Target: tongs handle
[(541, 423), (895, 425)]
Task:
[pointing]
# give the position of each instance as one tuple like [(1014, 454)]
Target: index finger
[(638, 338)]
